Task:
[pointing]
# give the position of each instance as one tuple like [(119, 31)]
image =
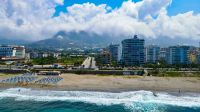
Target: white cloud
[(152, 7), (182, 25), (33, 19), (129, 8), (85, 12)]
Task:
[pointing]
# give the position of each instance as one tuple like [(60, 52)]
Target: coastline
[(72, 82)]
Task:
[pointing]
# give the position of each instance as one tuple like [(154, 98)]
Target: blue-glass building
[(133, 52), (163, 55), (152, 54), (12, 51), (6, 51), (179, 55)]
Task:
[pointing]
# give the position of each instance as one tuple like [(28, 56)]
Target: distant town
[(131, 54)]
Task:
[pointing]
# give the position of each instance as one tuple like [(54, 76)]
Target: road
[(89, 62), (93, 63)]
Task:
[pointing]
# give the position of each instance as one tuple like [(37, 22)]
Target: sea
[(32, 100)]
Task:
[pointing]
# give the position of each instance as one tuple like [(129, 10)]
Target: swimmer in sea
[(154, 94)]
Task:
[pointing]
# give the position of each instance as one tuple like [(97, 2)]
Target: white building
[(10, 51)]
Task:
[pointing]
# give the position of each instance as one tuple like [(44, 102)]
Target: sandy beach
[(117, 83)]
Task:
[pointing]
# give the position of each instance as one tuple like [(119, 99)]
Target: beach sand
[(118, 83)]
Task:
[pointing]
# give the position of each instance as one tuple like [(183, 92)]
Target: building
[(198, 58), (179, 55), (57, 55), (105, 57), (164, 53), (152, 54), (27, 56), (114, 52), (193, 55), (19, 51), (33, 55), (133, 52), (43, 55), (12, 52)]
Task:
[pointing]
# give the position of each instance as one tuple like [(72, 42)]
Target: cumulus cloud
[(182, 25), (25, 19), (152, 7), (34, 20)]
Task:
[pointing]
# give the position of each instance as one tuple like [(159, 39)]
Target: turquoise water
[(28, 100)]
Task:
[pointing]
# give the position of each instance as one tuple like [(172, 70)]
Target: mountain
[(82, 39), (64, 39), (4, 41)]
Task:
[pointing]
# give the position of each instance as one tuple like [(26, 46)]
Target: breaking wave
[(128, 99)]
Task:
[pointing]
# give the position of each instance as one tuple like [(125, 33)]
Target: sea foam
[(103, 98)]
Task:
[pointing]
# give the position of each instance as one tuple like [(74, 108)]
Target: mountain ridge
[(64, 39)]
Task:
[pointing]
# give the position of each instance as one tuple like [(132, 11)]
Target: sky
[(152, 19), (176, 7)]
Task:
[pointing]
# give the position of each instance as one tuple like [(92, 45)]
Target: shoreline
[(170, 92), (73, 82), (56, 88)]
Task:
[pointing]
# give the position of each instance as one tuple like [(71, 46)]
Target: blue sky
[(177, 6), (181, 6)]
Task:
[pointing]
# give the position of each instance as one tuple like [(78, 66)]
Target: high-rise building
[(164, 53), (19, 51), (152, 54), (114, 51), (104, 57), (7, 51), (133, 52), (179, 55)]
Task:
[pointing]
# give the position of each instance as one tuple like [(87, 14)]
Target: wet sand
[(118, 83)]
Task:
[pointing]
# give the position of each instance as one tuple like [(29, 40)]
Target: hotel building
[(133, 52), (179, 55), (152, 54), (114, 51), (10, 51)]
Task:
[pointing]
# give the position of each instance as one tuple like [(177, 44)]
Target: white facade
[(12, 51)]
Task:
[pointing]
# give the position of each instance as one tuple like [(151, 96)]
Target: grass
[(177, 74), (6, 74), (162, 74), (71, 60), (133, 77), (124, 76), (173, 74), (64, 60), (107, 75)]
